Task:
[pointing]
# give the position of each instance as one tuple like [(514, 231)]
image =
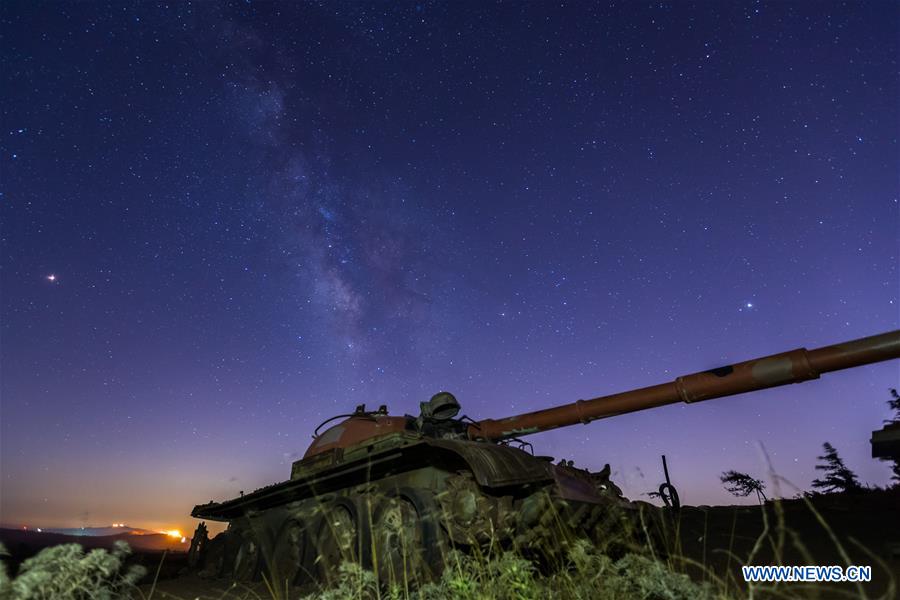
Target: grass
[(583, 570), (589, 575)]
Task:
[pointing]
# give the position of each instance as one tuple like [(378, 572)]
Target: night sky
[(223, 224)]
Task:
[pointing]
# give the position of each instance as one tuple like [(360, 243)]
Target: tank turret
[(394, 492)]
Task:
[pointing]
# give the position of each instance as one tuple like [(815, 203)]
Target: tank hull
[(407, 499)]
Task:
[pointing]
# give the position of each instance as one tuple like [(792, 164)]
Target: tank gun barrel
[(793, 366)]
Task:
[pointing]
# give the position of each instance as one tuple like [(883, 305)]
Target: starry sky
[(223, 223)]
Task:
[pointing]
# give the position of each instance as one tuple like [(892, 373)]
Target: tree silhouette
[(894, 405), (742, 485), (837, 478)]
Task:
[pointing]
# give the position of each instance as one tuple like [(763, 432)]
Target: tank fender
[(496, 465), (575, 485)]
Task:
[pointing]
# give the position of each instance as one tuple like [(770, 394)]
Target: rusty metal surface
[(854, 353), (355, 430), (778, 369)]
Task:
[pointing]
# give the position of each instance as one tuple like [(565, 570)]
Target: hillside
[(26, 543)]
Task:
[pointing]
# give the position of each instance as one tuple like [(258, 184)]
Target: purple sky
[(262, 215)]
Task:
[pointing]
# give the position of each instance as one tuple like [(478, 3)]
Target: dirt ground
[(190, 587)]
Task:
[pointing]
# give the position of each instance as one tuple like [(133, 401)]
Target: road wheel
[(246, 561), (290, 550), (337, 539), (405, 542)]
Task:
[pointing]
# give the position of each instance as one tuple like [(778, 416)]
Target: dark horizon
[(221, 225)]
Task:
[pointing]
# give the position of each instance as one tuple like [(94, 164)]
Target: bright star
[(749, 305), (51, 277)]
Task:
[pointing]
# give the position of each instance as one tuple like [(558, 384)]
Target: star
[(51, 278)]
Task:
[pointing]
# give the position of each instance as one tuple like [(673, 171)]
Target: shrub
[(589, 575), (65, 572)]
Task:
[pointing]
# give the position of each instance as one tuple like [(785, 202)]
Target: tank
[(395, 493)]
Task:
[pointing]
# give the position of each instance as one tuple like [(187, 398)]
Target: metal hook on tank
[(667, 491)]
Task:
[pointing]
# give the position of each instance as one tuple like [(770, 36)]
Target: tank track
[(404, 534)]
